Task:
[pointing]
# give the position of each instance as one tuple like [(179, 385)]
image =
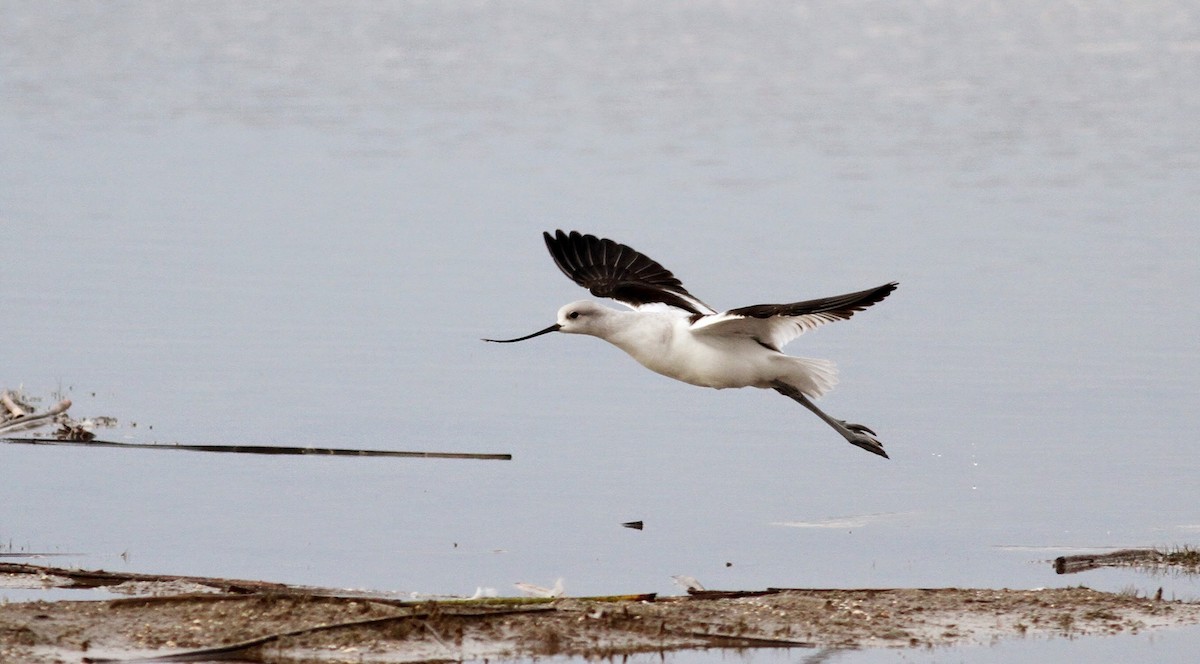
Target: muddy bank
[(292, 627)]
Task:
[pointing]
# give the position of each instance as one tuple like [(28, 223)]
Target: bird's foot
[(863, 437)]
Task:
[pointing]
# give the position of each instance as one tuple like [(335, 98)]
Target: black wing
[(839, 307), (614, 270)]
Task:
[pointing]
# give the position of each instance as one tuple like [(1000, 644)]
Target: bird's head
[(582, 317)]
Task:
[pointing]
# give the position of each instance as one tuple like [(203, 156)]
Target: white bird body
[(669, 343), (673, 333)]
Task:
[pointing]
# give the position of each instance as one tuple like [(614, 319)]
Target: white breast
[(664, 344)]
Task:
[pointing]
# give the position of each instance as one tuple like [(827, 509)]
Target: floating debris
[(16, 415), (19, 416)]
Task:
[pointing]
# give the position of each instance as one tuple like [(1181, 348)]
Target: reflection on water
[(1175, 645), (274, 226)]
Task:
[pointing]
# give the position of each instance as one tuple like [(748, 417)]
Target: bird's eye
[(573, 315)]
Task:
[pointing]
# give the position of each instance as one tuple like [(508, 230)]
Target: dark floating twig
[(262, 449), (636, 525)]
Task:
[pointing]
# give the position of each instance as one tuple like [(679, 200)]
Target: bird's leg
[(855, 434)]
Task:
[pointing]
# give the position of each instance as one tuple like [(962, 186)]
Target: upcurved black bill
[(552, 328)]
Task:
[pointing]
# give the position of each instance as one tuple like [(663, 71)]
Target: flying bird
[(674, 333)]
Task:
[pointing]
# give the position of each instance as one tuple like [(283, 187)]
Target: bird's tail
[(812, 377)]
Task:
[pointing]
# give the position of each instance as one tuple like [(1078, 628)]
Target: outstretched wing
[(614, 270), (774, 325)]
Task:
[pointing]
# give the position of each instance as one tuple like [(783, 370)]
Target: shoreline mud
[(172, 620)]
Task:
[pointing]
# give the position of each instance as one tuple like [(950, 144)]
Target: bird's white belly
[(735, 362)]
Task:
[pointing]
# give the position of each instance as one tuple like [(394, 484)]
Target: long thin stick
[(261, 449)]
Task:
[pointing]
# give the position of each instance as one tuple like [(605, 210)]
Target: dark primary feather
[(840, 307), (610, 269)]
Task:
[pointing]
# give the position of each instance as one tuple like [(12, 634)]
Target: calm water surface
[(291, 225)]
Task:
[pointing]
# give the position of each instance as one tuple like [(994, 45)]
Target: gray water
[(291, 224)]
